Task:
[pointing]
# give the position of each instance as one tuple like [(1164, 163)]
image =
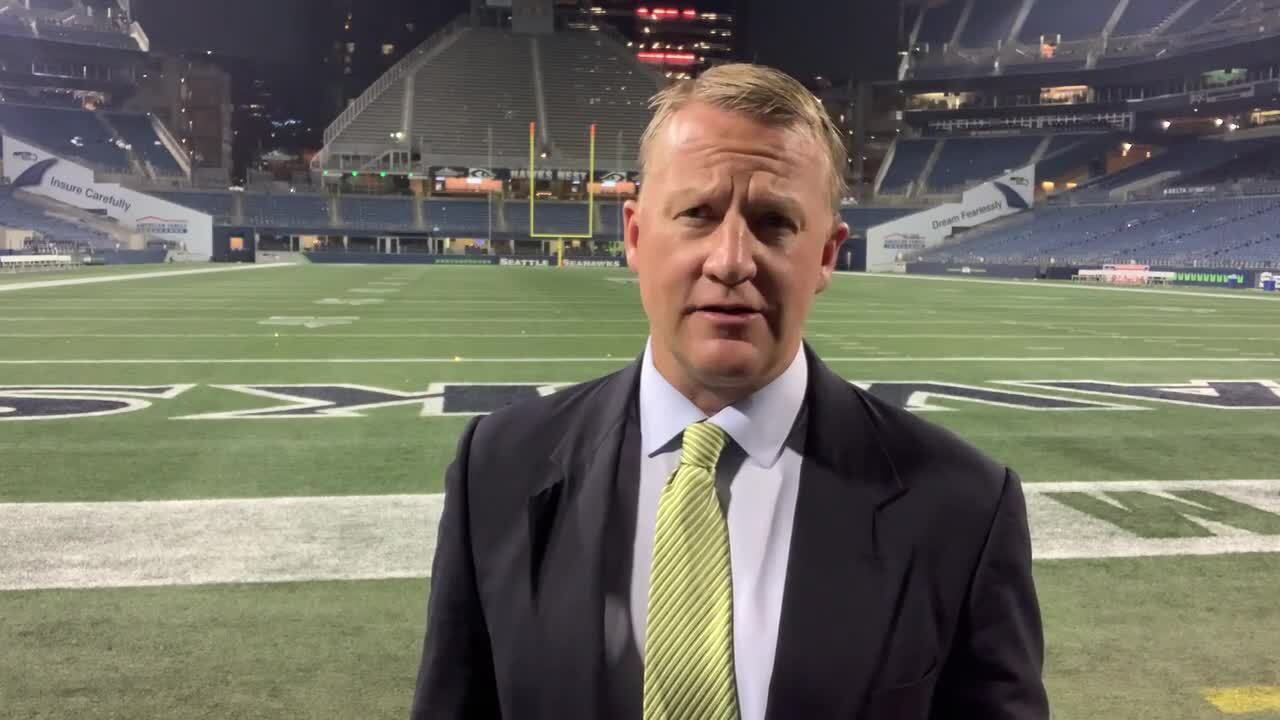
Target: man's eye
[(698, 213), (777, 220)]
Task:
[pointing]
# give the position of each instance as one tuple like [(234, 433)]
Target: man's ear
[(831, 251), (631, 233)]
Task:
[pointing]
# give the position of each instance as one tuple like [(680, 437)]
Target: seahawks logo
[(323, 401)]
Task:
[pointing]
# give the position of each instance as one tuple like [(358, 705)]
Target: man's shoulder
[(927, 456), (541, 420)]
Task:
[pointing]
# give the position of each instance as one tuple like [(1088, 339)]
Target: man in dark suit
[(726, 528)]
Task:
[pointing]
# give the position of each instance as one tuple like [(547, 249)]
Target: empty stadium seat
[(19, 215), (1145, 15), (549, 217), (1198, 15), (964, 161), (378, 213), (74, 134), (138, 131), (939, 22), (990, 26), (460, 216), (588, 78), (476, 98), (860, 218), (217, 204), (1179, 232), (1071, 20), (297, 211), (909, 160)]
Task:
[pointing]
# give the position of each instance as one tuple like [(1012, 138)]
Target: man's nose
[(732, 257)]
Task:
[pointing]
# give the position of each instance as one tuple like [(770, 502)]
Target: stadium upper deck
[(968, 38), (466, 97)]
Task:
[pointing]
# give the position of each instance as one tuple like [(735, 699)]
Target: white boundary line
[(281, 539), (610, 359), (40, 284), (1024, 284)]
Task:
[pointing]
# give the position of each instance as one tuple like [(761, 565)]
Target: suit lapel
[(566, 516), (842, 586)]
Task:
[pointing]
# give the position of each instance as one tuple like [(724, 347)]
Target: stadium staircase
[(918, 186), (135, 162)]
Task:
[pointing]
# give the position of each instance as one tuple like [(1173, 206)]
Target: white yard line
[(821, 336), (1023, 284), (40, 284), (196, 542), (608, 359), (637, 319)]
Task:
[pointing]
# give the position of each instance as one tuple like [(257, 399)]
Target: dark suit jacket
[(909, 591)]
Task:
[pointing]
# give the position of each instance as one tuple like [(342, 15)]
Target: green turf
[(1128, 638)]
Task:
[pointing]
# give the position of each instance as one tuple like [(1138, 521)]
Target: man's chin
[(727, 361)]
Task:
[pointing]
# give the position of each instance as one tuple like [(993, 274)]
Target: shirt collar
[(759, 424)]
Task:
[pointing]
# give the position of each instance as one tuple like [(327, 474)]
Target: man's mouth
[(728, 310)]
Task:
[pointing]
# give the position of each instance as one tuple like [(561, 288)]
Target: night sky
[(835, 38), (271, 31)]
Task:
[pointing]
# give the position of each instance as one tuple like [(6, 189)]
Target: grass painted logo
[(315, 401), (162, 226)]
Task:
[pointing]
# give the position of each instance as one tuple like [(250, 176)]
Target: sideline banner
[(40, 173), (925, 230)]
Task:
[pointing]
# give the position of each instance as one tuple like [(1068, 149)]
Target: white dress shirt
[(761, 510)]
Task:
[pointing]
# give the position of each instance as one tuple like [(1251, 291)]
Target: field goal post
[(533, 184)]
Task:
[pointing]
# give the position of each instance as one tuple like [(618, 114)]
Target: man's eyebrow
[(780, 202)]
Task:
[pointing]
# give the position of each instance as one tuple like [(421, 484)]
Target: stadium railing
[(395, 74)]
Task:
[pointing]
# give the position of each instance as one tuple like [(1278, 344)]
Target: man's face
[(732, 238)]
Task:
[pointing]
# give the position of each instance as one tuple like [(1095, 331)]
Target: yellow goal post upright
[(533, 184)]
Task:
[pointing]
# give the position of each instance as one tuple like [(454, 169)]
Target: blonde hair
[(761, 93)]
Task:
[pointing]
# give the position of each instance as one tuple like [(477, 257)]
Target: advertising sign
[(925, 230), (40, 173)]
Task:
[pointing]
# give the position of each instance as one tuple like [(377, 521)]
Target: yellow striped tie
[(688, 654)]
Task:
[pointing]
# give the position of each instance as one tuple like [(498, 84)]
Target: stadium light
[(1164, 124), (1217, 122)]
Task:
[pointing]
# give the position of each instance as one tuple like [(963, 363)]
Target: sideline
[(40, 284)]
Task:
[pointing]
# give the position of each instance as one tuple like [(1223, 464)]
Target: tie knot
[(702, 444)]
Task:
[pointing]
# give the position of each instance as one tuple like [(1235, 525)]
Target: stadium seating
[(217, 204), (16, 214), (861, 218), (467, 216), (74, 134), (295, 211), (1228, 230), (377, 213), (939, 22), (85, 35), (1184, 159), (568, 218), (909, 159), (476, 89), (1071, 20), (965, 161), (991, 25), (138, 131), (1146, 15), (1199, 14), (588, 78), (476, 98)]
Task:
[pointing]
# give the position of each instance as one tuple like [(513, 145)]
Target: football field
[(218, 490)]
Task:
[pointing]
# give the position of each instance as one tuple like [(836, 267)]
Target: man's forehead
[(708, 142), (699, 125)]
